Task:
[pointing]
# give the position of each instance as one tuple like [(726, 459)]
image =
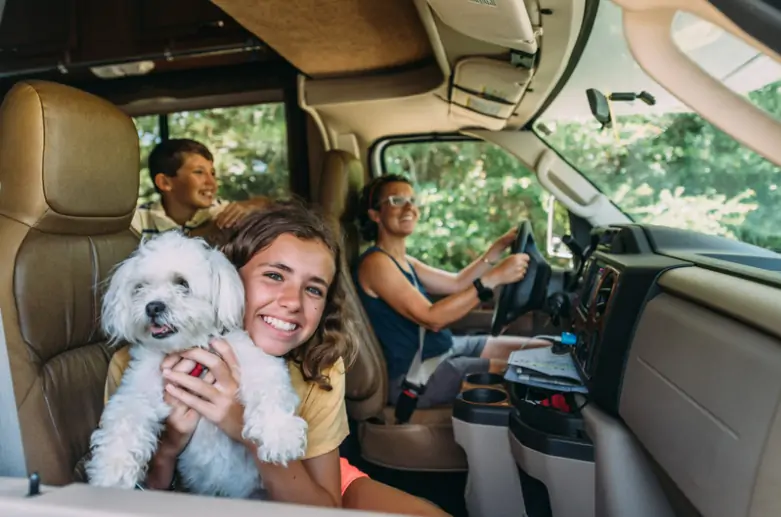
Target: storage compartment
[(484, 396), (501, 22), (484, 379), (547, 419), (550, 445), (486, 91)]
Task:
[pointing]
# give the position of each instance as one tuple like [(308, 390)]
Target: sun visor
[(502, 22), (486, 92)]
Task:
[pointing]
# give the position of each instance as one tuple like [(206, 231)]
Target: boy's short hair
[(168, 156), (334, 337)]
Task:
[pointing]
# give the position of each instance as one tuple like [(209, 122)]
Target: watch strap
[(483, 292)]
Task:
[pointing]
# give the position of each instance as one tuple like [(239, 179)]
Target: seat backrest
[(69, 173), (340, 187)]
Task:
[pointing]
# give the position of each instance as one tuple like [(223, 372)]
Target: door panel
[(702, 387), (625, 483)]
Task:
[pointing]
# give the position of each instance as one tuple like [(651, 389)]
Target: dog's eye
[(181, 282), (137, 287)]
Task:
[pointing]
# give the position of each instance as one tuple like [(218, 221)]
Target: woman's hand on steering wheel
[(510, 270), (494, 253)]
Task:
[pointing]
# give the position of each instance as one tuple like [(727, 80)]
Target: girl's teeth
[(279, 324)]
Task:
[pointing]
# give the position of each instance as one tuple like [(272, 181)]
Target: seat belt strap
[(414, 383)]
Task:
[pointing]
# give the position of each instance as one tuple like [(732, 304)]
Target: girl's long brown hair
[(334, 337)]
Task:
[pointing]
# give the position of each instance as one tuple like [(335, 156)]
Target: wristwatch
[(485, 294)]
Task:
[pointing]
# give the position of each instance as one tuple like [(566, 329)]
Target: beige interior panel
[(624, 481), (417, 104), (701, 391), (400, 84), (570, 483), (752, 303), (336, 37), (84, 500), (493, 486)]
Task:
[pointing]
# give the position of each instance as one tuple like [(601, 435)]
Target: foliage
[(674, 169), (472, 192), (249, 144), (677, 169)]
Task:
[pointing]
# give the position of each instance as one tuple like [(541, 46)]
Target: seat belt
[(420, 371)]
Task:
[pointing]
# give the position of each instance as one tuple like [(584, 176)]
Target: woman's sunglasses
[(401, 200)]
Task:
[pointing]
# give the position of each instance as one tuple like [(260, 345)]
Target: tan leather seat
[(427, 442), (69, 165)]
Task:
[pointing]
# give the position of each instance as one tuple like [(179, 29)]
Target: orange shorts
[(349, 473)]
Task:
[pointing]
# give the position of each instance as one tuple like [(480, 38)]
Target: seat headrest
[(341, 184), (69, 161)]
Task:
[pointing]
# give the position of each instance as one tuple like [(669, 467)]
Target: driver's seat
[(426, 443)]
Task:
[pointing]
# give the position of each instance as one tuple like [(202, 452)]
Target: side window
[(249, 144), (471, 193), (148, 127)]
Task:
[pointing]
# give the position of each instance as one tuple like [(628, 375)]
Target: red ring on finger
[(197, 371)]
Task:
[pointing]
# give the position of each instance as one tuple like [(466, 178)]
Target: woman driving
[(396, 291)]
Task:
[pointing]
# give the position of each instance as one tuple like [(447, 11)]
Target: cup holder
[(484, 396), (484, 379)]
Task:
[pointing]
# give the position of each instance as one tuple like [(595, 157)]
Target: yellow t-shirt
[(324, 411)]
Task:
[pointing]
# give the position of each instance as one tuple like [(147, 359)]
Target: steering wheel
[(527, 294)]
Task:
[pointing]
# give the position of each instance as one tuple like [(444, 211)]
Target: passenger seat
[(427, 442), (69, 165)]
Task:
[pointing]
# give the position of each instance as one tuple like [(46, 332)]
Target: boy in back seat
[(182, 171)]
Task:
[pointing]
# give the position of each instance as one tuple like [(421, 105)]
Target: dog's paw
[(114, 472), (279, 440)]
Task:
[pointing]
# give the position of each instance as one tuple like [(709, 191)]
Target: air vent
[(603, 293)]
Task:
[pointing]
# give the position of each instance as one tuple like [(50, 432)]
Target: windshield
[(663, 164)]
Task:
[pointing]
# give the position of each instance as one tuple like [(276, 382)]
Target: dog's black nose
[(154, 309)]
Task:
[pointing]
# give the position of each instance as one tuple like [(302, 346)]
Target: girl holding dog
[(287, 258)]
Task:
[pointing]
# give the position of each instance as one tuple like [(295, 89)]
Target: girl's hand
[(495, 251), (216, 401), (182, 421)]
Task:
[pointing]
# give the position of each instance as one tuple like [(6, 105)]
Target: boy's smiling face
[(286, 286), (194, 185)]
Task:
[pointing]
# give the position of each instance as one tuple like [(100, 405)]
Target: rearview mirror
[(597, 102), (554, 245)]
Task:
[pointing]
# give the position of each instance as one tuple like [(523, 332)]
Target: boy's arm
[(227, 215)]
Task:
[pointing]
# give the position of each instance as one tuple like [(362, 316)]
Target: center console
[(527, 455), (480, 416), (528, 449)]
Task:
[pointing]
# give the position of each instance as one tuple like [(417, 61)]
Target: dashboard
[(618, 276)]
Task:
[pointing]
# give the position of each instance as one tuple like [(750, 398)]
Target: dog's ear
[(115, 316), (227, 292)]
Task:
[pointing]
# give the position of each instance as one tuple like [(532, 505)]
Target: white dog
[(171, 294)]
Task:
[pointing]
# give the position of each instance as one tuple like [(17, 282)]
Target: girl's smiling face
[(286, 286)]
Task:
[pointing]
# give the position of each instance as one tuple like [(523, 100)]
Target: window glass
[(471, 192), (249, 144), (664, 164), (148, 127)]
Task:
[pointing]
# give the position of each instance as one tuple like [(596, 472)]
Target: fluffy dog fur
[(186, 292)]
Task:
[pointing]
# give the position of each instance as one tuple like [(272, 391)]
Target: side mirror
[(554, 245)]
